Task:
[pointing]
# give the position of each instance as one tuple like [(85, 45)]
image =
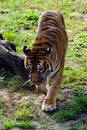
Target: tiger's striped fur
[(45, 61)]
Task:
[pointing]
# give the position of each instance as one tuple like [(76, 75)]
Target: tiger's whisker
[(25, 83)]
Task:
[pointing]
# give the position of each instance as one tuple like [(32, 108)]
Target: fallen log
[(10, 60)]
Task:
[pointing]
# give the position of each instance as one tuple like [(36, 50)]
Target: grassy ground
[(21, 107)]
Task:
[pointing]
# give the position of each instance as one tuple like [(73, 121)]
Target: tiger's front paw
[(49, 106)]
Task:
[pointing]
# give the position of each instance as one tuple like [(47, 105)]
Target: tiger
[(44, 62)]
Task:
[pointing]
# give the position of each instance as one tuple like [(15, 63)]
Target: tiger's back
[(51, 33), (47, 56), (50, 18)]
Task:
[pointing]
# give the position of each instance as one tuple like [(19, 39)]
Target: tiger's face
[(38, 68)]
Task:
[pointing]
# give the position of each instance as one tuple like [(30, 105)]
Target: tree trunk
[(12, 61)]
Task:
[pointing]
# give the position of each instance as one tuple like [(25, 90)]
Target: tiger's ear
[(26, 50)]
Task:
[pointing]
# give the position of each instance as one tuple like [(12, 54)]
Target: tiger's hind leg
[(49, 103)]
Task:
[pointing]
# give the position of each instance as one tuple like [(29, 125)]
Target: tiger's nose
[(36, 81), (35, 78)]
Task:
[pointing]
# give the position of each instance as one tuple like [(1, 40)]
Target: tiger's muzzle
[(37, 79)]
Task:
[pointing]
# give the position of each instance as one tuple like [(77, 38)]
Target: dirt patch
[(80, 16), (71, 63), (42, 120)]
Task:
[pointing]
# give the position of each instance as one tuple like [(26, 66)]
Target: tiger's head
[(37, 64)]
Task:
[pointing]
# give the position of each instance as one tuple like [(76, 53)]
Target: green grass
[(3, 107), (20, 116), (12, 84), (80, 127), (22, 112), (19, 124), (74, 109), (75, 78), (18, 22)]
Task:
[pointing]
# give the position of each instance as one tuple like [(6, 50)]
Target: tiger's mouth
[(44, 79), (39, 82)]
